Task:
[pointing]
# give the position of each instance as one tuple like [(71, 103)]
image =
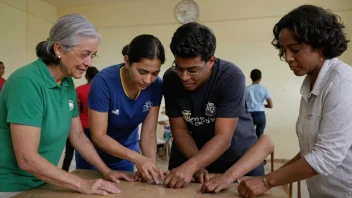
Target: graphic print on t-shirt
[(116, 112), (210, 112), (70, 105), (147, 106), (210, 109)]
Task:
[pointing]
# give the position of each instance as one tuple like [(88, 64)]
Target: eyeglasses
[(190, 73), (85, 55)]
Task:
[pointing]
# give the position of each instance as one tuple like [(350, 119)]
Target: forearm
[(85, 147), (186, 145), (293, 160), (296, 171), (46, 171), (148, 146), (211, 151), (252, 158), (112, 147)]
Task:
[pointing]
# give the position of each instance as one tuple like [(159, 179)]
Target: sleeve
[(334, 138), (157, 92), (232, 97), (24, 103), (169, 83), (267, 94), (99, 95)]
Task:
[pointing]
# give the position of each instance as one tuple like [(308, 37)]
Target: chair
[(287, 187)]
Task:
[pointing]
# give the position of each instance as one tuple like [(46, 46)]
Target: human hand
[(148, 170), (216, 184), (98, 187), (179, 177), (138, 176), (202, 176), (114, 176), (252, 187)]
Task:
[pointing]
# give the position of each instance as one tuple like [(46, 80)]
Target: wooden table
[(138, 189)]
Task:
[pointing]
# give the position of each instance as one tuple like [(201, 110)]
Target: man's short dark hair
[(192, 40)]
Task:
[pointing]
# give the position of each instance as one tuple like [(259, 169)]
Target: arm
[(98, 123), (293, 160), (231, 105), (297, 171), (25, 115), (186, 144), (216, 146), (148, 144), (334, 139), (99, 106), (148, 134), (182, 175), (180, 132), (270, 103), (250, 160), (26, 142), (182, 138), (85, 147)]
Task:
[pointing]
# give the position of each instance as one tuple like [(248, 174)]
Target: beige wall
[(23, 24), (244, 31)]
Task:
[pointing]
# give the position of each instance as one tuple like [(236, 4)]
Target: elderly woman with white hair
[(39, 111)]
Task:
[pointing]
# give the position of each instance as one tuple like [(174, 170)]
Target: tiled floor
[(164, 164)]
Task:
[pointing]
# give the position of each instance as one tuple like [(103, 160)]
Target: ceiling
[(77, 3)]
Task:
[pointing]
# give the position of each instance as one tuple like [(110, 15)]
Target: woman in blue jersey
[(122, 97)]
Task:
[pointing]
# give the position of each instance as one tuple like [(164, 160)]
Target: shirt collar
[(321, 79)]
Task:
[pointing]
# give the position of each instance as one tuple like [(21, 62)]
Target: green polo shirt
[(32, 97)]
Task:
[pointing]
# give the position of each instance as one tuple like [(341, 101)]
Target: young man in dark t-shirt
[(205, 103)]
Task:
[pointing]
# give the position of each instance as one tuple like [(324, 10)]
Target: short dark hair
[(192, 40), (124, 50), (91, 72), (145, 46), (256, 74), (1, 62), (316, 27)]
